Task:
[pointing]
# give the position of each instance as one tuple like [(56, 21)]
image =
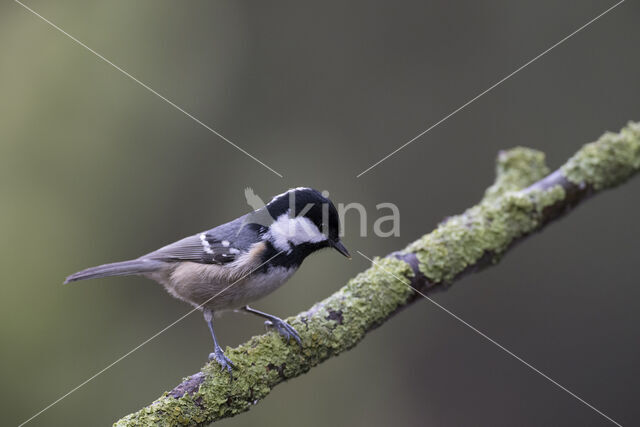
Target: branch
[(523, 200)]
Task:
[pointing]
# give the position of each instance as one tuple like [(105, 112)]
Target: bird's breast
[(263, 283), (220, 287)]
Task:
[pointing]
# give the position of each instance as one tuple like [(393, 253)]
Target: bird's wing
[(201, 248), (209, 247)]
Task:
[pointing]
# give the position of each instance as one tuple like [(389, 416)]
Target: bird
[(236, 263)]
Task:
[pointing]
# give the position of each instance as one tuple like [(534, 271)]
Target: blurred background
[(95, 168)]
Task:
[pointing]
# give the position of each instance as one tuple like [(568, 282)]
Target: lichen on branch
[(505, 214), (607, 162), (523, 199)]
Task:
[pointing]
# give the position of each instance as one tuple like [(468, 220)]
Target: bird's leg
[(280, 325), (217, 355)]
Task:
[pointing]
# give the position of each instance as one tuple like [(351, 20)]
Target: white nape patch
[(205, 245), (225, 243), (286, 231), (289, 191)]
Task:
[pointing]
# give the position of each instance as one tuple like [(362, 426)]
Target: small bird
[(236, 263)]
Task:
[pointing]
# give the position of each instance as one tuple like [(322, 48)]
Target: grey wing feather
[(188, 248), (196, 249), (219, 245)]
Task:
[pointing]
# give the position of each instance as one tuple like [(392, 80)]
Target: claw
[(284, 329), (224, 362)]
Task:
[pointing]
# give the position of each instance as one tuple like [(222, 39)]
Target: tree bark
[(523, 200)]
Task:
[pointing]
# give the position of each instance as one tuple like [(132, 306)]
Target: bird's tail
[(124, 268)]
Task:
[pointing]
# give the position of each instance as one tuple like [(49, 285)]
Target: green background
[(95, 168)]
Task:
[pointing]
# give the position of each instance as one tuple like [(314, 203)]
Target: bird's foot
[(224, 362), (284, 329)]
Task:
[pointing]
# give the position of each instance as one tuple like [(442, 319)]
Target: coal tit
[(236, 263)]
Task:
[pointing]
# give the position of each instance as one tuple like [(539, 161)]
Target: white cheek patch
[(286, 231)]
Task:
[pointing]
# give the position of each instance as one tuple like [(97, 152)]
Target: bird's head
[(303, 221)]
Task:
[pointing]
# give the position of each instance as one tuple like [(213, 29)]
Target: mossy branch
[(523, 199)]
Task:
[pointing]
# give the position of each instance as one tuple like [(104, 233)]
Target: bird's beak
[(338, 246)]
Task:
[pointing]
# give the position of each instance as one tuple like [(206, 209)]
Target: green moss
[(488, 228), (608, 161), (516, 169), (504, 214)]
